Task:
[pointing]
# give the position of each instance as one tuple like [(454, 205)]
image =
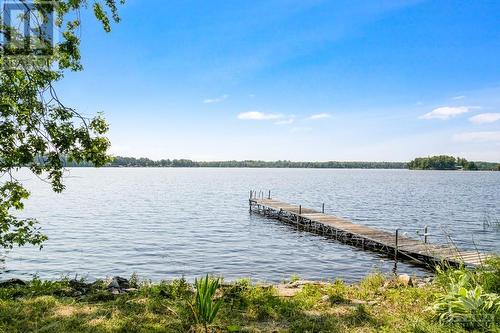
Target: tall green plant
[(205, 307)]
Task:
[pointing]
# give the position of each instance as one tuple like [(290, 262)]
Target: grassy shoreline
[(376, 304)]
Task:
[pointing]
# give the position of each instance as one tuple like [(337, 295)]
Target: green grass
[(373, 305)]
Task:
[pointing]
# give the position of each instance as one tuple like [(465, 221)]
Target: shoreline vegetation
[(426, 163), (454, 300)]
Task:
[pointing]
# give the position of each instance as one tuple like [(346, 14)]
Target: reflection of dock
[(364, 237)]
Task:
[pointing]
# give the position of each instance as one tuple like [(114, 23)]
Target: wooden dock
[(395, 244)]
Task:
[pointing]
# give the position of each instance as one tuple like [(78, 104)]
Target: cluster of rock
[(115, 285), (119, 285), (408, 281), (12, 283)]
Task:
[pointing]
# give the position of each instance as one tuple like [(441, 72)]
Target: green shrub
[(489, 275), (233, 295), (177, 289), (262, 303), (466, 303), (308, 297), (473, 308), (370, 285), (337, 292)]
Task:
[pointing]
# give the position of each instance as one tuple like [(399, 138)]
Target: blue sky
[(295, 79)]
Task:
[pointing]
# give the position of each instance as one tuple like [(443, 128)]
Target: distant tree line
[(445, 162), (441, 162), (120, 161)]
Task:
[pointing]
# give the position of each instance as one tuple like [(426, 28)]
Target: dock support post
[(323, 208), (425, 234), (396, 246), (269, 196), (250, 203), (300, 209)]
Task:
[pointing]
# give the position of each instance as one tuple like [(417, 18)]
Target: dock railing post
[(323, 208), (425, 234), (269, 196)]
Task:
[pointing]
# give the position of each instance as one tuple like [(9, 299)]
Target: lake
[(168, 223)]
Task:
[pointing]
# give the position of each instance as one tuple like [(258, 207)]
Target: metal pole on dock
[(269, 196), (323, 208), (300, 209), (425, 234)]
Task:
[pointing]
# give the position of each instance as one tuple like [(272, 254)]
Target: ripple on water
[(168, 223)]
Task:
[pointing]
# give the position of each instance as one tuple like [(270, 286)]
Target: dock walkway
[(367, 238)]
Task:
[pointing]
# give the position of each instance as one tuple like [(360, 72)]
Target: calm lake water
[(169, 223)]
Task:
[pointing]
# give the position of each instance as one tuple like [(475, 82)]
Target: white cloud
[(447, 112), (485, 118), (319, 116), (458, 97), (256, 115), (492, 136), (215, 100)]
